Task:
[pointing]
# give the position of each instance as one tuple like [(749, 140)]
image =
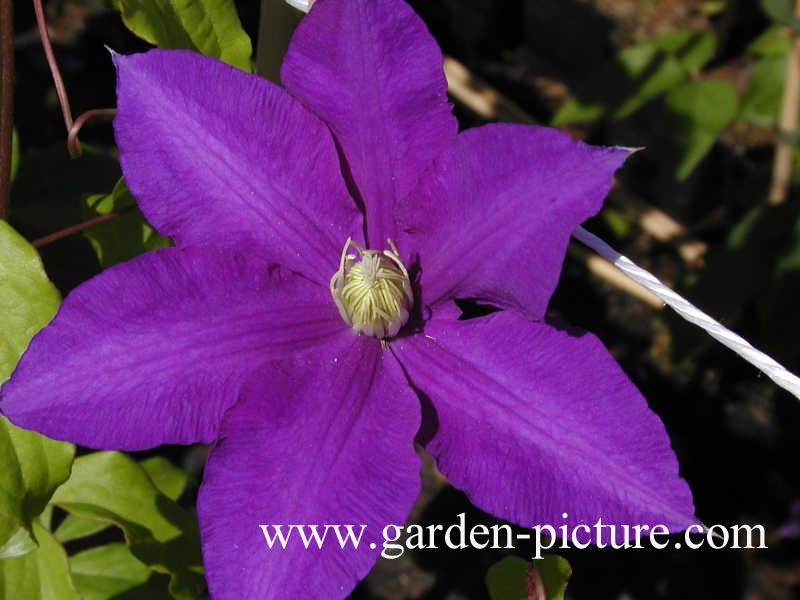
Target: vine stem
[(6, 101), (62, 233), (73, 144), (770, 367), (61, 91)]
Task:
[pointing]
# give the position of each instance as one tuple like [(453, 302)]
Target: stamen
[(374, 294)]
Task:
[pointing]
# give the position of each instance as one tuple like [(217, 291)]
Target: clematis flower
[(304, 323)]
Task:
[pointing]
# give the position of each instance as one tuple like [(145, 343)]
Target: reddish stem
[(6, 100), (73, 144), (49, 239), (51, 62)]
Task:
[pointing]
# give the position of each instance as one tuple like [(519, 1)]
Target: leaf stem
[(6, 100), (67, 231)]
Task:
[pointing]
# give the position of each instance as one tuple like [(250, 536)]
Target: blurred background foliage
[(706, 205)]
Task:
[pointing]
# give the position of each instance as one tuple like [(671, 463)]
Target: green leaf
[(506, 579), (33, 466), (700, 111), (112, 487), (111, 571), (124, 236), (169, 479), (773, 41), (39, 575), (692, 47), (761, 104), (781, 11), (75, 528), (555, 572), (211, 27), (638, 74), (515, 579)]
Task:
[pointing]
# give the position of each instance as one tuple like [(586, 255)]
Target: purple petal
[(532, 422), (372, 71), (491, 220), (154, 350), (213, 154), (322, 439)]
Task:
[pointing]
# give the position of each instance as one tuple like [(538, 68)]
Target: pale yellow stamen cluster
[(373, 294)]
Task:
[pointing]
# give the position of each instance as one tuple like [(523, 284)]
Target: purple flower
[(244, 334)]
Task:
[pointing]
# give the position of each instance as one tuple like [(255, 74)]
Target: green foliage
[(762, 99), (33, 466), (701, 110), (112, 571), (122, 237), (638, 74), (39, 575), (211, 27), (781, 11), (111, 487), (513, 577), (48, 192), (14, 153)]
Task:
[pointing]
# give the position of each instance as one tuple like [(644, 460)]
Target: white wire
[(779, 374)]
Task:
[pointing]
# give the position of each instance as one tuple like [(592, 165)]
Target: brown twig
[(61, 91), (782, 161), (6, 101), (73, 144), (62, 233)]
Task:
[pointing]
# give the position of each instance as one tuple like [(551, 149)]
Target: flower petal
[(372, 71), (323, 439), (213, 154), (154, 350), (532, 422), (491, 220)]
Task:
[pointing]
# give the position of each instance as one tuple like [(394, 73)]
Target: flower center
[(373, 293)]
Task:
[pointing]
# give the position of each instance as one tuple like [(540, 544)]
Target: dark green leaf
[(701, 110), (111, 487), (39, 575), (124, 236), (32, 465), (111, 571), (211, 27), (781, 11)]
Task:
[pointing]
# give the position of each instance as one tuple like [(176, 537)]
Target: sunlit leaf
[(112, 487), (211, 27), (32, 465), (638, 74), (701, 110), (111, 571), (124, 236), (39, 575)]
